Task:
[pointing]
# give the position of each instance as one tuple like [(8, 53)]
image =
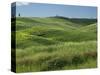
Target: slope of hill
[(54, 43), (83, 21), (90, 28)]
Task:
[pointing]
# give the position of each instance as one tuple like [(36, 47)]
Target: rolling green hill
[(55, 43)]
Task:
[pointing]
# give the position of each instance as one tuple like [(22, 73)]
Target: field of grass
[(55, 43)]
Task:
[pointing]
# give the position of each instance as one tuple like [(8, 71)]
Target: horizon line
[(58, 17)]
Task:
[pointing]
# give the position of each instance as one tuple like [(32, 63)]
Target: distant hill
[(83, 21)]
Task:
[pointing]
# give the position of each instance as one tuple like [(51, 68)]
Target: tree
[(19, 14)]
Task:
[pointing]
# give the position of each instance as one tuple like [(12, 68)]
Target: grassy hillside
[(83, 21), (55, 43)]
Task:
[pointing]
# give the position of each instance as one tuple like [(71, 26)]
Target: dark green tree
[(19, 14)]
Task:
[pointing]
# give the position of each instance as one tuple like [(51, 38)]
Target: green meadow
[(55, 43)]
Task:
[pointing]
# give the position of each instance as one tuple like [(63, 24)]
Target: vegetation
[(55, 43)]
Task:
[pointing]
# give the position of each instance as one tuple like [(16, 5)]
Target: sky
[(47, 10)]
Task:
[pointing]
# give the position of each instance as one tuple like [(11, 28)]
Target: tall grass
[(56, 57)]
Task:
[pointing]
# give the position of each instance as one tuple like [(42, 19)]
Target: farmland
[(55, 43)]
